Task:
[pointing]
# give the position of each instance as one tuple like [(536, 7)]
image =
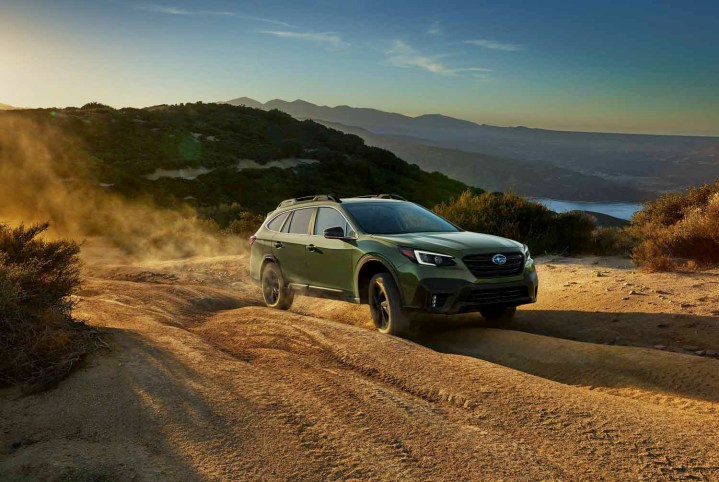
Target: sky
[(608, 66)]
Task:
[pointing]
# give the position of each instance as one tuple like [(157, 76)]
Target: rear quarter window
[(276, 223)]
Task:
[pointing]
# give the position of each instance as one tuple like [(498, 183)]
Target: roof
[(367, 199), (324, 198)]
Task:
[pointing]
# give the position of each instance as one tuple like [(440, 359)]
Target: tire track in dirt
[(682, 382), (370, 409), (577, 424)]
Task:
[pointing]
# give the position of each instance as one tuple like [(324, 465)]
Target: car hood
[(461, 242)]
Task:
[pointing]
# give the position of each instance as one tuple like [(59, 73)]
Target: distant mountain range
[(494, 173), (535, 162), (6, 107)]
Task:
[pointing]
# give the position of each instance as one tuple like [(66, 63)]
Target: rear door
[(290, 246), (264, 242), (330, 260)]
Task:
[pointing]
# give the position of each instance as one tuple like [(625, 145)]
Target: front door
[(329, 261)]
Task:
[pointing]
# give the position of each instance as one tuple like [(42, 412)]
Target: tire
[(496, 315), (274, 292), (385, 304)]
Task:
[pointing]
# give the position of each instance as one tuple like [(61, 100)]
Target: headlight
[(427, 258), (525, 250)]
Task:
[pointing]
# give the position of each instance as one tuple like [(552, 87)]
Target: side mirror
[(335, 232)]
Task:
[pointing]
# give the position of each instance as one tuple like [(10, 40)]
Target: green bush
[(514, 217), (611, 241), (679, 228), (40, 342)]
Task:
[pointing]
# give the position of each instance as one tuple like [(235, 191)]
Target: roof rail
[(307, 199), (384, 196)]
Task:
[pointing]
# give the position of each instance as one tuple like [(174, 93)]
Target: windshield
[(397, 218)]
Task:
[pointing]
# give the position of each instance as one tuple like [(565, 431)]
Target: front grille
[(498, 295), (482, 266)]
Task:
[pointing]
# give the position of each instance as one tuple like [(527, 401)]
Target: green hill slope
[(211, 154)]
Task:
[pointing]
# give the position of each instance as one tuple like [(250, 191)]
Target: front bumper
[(452, 295)]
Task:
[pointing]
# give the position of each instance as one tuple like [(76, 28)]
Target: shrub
[(679, 227), (40, 342), (97, 106), (222, 214), (247, 224), (652, 258), (514, 217), (611, 241)]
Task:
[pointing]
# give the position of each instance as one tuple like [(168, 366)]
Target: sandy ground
[(609, 377)]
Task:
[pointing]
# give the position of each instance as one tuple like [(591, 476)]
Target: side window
[(276, 223), (328, 218), (300, 222), (286, 227)]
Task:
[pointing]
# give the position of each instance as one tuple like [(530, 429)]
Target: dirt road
[(204, 383)]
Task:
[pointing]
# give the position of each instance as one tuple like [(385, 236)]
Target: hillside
[(6, 107), (607, 220), (625, 163), (212, 154), (495, 173)]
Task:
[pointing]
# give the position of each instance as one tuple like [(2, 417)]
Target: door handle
[(279, 245), (312, 248)]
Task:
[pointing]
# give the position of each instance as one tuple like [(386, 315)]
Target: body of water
[(618, 210)]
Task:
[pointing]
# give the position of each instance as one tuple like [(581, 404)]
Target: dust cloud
[(46, 175)]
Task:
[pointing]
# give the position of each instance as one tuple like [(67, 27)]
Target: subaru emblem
[(499, 259)]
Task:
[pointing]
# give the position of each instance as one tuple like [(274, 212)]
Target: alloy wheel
[(380, 306), (271, 288)]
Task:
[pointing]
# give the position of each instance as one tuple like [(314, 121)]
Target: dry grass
[(679, 229), (40, 342)]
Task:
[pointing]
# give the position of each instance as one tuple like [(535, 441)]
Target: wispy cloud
[(482, 77), (401, 54), (472, 69), (435, 29), (330, 40), (491, 44), (170, 10)]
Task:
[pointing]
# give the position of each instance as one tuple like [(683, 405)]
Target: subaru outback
[(394, 255)]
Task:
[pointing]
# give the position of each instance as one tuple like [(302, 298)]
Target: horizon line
[(519, 126)]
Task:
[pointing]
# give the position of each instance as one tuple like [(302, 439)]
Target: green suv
[(392, 254)]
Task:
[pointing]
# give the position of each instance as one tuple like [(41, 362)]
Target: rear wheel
[(498, 314), (385, 304), (274, 291)]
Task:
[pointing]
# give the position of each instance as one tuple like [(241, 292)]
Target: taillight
[(253, 238)]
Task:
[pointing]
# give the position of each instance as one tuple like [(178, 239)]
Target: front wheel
[(385, 304), (274, 291), (498, 314)]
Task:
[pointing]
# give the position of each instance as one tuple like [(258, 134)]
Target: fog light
[(434, 301)]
